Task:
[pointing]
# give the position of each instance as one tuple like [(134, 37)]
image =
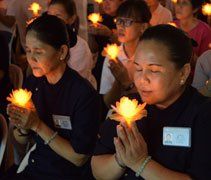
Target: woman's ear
[(144, 26), (72, 19), (63, 52), (185, 72)]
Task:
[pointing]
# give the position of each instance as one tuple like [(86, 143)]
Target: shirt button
[(32, 160), (126, 174)]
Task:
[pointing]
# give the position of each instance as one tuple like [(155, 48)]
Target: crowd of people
[(164, 60)]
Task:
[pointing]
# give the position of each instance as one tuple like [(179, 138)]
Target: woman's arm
[(60, 145), (104, 167)]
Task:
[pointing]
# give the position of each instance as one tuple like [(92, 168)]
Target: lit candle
[(95, 18), (206, 9), (99, 1), (128, 110), (112, 50), (21, 97), (35, 7), (174, 1), (172, 24)]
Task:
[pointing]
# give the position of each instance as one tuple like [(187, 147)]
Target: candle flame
[(20, 97), (35, 7), (172, 24), (206, 9), (174, 1), (95, 18), (112, 51), (99, 1), (128, 110)]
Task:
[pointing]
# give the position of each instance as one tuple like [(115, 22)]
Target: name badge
[(62, 122), (177, 136)]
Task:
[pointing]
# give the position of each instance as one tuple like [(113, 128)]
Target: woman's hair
[(136, 9), (69, 6), (176, 41), (50, 30), (196, 3)]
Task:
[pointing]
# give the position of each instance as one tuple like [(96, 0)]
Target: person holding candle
[(117, 76), (186, 11), (80, 55), (162, 67), (64, 117), (103, 33)]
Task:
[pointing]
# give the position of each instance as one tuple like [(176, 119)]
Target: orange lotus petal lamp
[(112, 50), (206, 9), (99, 1), (35, 7), (128, 110), (20, 97), (95, 18), (172, 24)]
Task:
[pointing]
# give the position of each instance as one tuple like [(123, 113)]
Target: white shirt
[(161, 16), (107, 78), (81, 60), (20, 10)]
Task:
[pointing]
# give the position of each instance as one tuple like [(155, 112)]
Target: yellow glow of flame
[(172, 24), (35, 7), (206, 9), (112, 51), (20, 97), (95, 18), (174, 1), (128, 110), (99, 1)]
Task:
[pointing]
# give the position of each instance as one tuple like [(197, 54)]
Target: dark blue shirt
[(72, 96), (191, 110)]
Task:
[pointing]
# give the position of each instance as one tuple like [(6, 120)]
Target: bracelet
[(131, 86), (143, 166), (51, 138), (22, 134), (117, 161)]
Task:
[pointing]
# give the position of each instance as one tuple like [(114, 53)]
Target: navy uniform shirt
[(74, 97), (191, 110)]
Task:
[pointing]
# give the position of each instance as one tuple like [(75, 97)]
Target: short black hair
[(50, 30), (197, 3), (176, 40), (136, 9), (69, 6)]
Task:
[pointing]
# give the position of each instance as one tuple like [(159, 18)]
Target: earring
[(61, 58), (182, 82)]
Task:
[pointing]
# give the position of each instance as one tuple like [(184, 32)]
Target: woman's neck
[(153, 8), (130, 48), (188, 24), (55, 75)]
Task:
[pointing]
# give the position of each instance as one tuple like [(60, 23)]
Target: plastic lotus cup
[(172, 24), (99, 1), (95, 18), (35, 7), (128, 110), (206, 9), (21, 97), (112, 50)]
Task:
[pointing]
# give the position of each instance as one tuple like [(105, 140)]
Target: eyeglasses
[(125, 22)]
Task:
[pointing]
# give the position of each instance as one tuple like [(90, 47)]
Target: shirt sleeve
[(86, 119), (202, 70), (107, 78), (200, 156), (105, 143)]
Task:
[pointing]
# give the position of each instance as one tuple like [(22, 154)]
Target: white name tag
[(177, 136), (62, 122)]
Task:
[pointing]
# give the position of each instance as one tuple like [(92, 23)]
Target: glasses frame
[(125, 22)]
